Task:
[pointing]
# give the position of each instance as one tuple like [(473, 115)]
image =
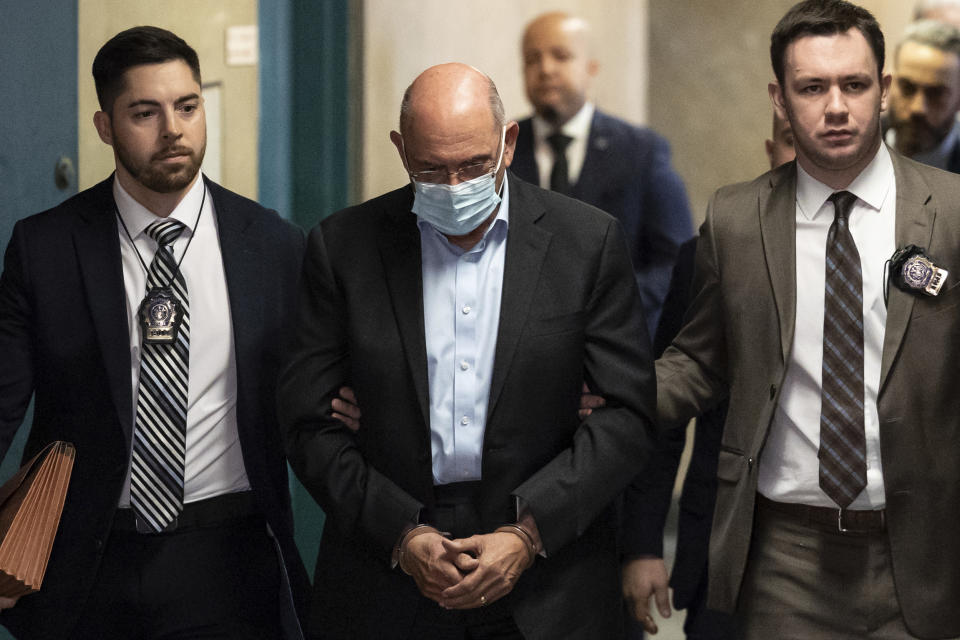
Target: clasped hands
[(467, 572), (457, 574)]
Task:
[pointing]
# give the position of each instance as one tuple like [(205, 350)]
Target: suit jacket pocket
[(555, 324), (731, 465), (948, 299)]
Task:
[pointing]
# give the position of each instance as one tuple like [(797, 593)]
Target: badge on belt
[(913, 271), (160, 316)]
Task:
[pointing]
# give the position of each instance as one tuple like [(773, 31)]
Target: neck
[(841, 178), (159, 204), (557, 120)]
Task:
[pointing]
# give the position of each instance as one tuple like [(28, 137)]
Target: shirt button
[(464, 420), (466, 309), (464, 365)]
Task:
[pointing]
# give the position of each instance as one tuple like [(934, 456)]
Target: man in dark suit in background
[(144, 315), (571, 147), (466, 310), (925, 95)]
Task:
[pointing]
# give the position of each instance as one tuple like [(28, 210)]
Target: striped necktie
[(159, 441), (843, 462)]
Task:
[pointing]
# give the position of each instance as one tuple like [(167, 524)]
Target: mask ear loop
[(496, 170)]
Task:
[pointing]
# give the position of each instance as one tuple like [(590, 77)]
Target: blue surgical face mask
[(458, 209)]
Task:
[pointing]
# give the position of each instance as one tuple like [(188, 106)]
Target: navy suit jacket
[(626, 172), (64, 340)]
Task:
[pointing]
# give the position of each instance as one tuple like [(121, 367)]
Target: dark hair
[(132, 48), (823, 18)]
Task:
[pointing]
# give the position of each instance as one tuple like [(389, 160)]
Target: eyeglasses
[(468, 172)]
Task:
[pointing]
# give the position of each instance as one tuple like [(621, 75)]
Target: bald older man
[(572, 147), (466, 309)]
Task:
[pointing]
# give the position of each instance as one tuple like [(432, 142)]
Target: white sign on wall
[(242, 45)]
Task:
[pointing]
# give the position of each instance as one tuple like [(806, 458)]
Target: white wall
[(401, 39)]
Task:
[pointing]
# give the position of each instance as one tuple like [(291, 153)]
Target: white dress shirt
[(461, 318), (789, 467), (214, 462), (578, 128)]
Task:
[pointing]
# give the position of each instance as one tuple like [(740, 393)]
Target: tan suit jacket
[(737, 340)]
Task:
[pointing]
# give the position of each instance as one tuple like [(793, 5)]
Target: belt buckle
[(144, 527), (840, 526), (843, 529)]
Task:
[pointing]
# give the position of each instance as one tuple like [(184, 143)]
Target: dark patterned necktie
[(843, 462), (559, 176), (159, 441)]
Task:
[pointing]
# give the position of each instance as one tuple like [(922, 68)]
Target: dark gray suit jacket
[(737, 340), (64, 340), (570, 311), (627, 173)]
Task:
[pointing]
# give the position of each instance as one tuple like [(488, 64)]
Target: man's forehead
[(915, 57), (844, 54), (567, 32)]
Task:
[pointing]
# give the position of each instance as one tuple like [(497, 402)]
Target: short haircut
[(496, 107), (132, 48), (823, 18), (934, 34), (923, 6)]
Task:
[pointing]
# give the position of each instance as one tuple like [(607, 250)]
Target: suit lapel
[(778, 229), (399, 243), (595, 172), (243, 256), (526, 248), (914, 225), (524, 164), (97, 245)]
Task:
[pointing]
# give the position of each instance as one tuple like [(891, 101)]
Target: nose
[(836, 103), (547, 65), (170, 125), (917, 105)]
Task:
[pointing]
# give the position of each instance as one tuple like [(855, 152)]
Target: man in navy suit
[(570, 146), (201, 408)]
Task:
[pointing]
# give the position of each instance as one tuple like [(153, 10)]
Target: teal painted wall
[(38, 82), (304, 138)]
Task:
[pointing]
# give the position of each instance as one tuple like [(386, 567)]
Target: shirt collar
[(871, 186), (137, 218), (577, 127), (502, 221)]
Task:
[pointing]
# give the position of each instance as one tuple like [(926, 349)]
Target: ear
[(593, 68), (776, 97), (510, 142), (768, 145), (397, 141), (102, 122), (885, 83)]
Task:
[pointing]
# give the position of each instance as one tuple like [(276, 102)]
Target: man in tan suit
[(839, 484)]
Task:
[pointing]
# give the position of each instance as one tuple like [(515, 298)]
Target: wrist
[(410, 534), (525, 538)]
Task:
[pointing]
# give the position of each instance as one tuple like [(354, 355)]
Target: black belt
[(827, 519), (212, 512)]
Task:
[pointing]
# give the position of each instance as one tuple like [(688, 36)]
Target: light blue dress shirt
[(461, 317)]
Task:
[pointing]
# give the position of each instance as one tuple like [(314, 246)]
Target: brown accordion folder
[(30, 506)]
